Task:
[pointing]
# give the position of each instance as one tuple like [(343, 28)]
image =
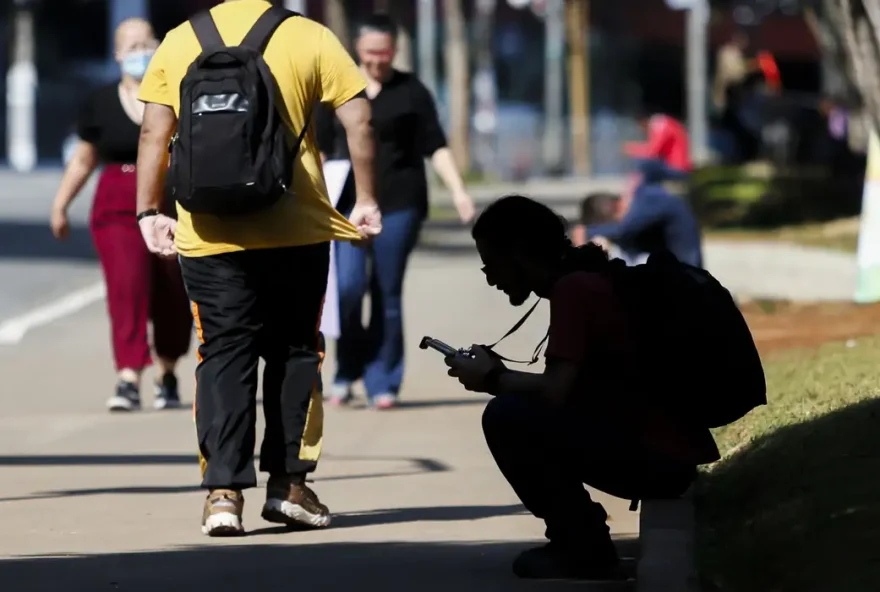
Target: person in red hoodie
[(667, 141), (667, 145)]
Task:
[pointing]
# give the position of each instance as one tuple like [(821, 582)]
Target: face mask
[(135, 64)]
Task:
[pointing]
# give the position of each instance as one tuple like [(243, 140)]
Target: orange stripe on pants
[(203, 463), (312, 440), (313, 431)]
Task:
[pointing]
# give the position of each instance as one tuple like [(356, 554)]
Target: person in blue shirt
[(653, 219)]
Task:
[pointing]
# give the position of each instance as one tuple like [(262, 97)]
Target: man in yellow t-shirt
[(257, 281)]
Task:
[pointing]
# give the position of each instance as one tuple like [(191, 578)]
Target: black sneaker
[(127, 398), (167, 396), (553, 562)]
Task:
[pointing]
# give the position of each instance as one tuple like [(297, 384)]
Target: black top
[(105, 124), (406, 129)]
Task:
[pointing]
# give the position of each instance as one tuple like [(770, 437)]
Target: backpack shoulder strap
[(260, 34), (206, 30)]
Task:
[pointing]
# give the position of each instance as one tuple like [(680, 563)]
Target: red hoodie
[(667, 141)]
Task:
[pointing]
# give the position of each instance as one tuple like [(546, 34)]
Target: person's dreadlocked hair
[(517, 224)]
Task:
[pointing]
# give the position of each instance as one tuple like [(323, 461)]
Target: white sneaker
[(222, 513), (127, 398)]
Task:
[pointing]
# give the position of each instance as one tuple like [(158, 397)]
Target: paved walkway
[(90, 501)]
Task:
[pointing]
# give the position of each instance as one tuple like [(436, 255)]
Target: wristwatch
[(147, 214)]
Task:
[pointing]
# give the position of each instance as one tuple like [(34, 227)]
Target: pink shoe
[(339, 395), (384, 402)]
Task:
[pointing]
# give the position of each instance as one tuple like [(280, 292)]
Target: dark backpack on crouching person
[(231, 155), (696, 355), (696, 352)]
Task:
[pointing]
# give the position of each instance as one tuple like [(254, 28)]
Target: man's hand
[(472, 372), (602, 242), (158, 233), (367, 219), (465, 206), (579, 235)]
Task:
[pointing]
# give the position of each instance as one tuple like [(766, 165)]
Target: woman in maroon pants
[(140, 286)]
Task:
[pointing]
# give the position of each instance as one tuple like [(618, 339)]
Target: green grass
[(839, 235), (795, 504), (442, 211), (470, 178)]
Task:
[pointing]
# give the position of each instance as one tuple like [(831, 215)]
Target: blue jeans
[(655, 170), (375, 353)]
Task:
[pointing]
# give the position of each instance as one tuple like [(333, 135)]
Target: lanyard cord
[(540, 347)]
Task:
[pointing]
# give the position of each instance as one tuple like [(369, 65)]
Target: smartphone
[(436, 344)]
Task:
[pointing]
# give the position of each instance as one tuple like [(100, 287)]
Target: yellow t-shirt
[(309, 64)]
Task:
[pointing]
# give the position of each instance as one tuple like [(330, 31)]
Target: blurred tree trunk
[(458, 80), (848, 35), (832, 61), (336, 15), (856, 26), (404, 59), (577, 23)]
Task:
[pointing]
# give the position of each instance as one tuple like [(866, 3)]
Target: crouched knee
[(511, 413)]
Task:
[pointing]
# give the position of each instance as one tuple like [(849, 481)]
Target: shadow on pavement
[(426, 514), (359, 404), (98, 460), (173, 489), (441, 403), (418, 466), (136, 490), (391, 566), (417, 404), (424, 465), (405, 515), (32, 240)]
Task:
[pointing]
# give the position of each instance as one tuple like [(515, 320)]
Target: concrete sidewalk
[(90, 501)]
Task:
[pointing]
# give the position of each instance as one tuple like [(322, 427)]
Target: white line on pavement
[(13, 330)]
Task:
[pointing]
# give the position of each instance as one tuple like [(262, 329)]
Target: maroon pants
[(140, 286)]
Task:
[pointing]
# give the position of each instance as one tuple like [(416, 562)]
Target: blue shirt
[(656, 220)]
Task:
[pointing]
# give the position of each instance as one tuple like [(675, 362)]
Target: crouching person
[(592, 416)]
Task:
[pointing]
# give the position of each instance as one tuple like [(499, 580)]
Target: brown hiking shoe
[(294, 504), (222, 514)]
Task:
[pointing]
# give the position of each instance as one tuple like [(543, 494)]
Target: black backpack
[(230, 154), (696, 352)]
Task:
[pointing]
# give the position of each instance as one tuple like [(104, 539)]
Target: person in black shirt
[(406, 130), (140, 286)]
